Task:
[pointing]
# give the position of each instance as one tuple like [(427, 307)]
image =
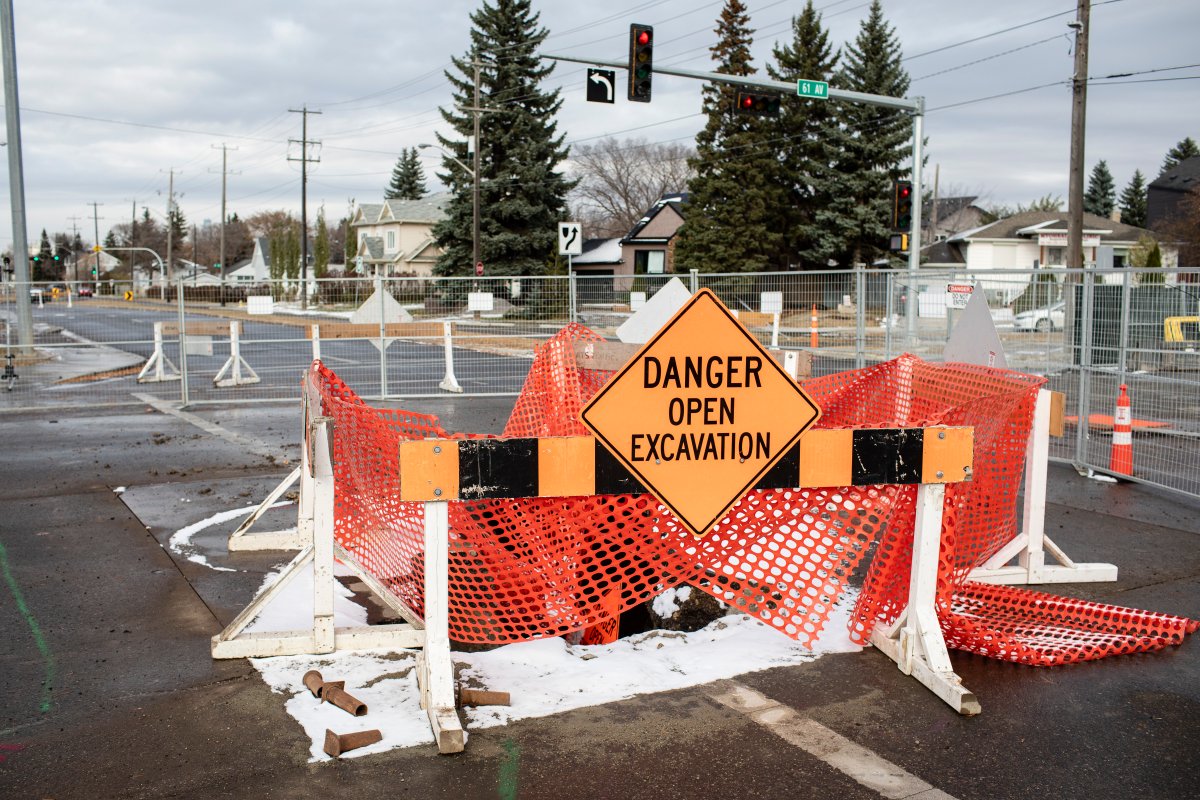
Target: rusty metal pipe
[(317, 685), (336, 744), (343, 700)]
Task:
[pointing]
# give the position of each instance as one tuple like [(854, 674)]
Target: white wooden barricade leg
[(316, 342), (915, 640), (434, 669), (1030, 546), (236, 364), (449, 383), (158, 362), (242, 540), (435, 673)]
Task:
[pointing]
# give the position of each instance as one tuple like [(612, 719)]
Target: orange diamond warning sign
[(701, 413)]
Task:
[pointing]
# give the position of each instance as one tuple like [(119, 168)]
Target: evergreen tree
[(733, 195), (872, 143), (42, 270), (1133, 201), (521, 194), (1185, 149), (803, 132), (321, 246), (408, 177), (1101, 195), (291, 252)]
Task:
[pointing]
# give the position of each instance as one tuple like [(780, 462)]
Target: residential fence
[(391, 340)]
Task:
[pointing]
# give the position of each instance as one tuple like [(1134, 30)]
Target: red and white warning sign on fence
[(957, 294), (701, 413)]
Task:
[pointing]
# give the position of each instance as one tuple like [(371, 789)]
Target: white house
[(395, 237), (257, 269), (1039, 238)]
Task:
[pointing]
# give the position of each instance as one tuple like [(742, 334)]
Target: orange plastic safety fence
[(533, 567), (385, 535), (1017, 624)]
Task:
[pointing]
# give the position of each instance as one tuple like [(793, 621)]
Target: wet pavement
[(110, 690)]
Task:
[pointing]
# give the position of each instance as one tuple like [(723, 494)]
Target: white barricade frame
[(435, 674), (1030, 546)]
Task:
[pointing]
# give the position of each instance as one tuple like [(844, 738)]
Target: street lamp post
[(474, 173), (162, 271)]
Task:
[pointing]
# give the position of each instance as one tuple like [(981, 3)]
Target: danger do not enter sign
[(701, 413)]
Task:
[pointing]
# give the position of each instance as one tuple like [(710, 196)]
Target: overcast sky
[(115, 93)]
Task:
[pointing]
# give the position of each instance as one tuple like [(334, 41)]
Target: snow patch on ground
[(543, 677), (181, 542), (671, 601)]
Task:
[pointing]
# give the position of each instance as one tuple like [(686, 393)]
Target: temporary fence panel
[(1085, 331)]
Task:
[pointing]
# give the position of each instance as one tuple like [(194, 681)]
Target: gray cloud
[(229, 72)]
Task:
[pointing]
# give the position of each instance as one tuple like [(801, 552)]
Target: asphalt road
[(110, 691)]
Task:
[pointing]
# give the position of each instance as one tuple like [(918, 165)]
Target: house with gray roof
[(395, 237), (1039, 238)]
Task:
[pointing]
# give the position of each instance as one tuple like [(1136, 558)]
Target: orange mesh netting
[(524, 568)]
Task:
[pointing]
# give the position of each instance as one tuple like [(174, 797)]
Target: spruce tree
[(321, 246), (1101, 195), (1185, 149), (871, 144), (727, 221), (521, 193), (408, 177), (803, 135), (1133, 201)]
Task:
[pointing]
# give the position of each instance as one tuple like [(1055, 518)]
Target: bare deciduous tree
[(620, 180)]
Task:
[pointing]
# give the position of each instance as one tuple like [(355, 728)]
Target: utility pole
[(16, 176), (304, 160), (224, 172), (476, 261), (74, 253), (1078, 124), (170, 232), (96, 228)]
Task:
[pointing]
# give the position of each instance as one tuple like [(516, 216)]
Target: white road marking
[(837, 751)]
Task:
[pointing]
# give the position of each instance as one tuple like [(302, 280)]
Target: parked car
[(85, 291), (1048, 318), (39, 295)]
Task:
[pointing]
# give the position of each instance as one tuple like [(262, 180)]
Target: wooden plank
[(197, 328), (370, 330), (755, 319), (606, 356), (1058, 411), (612, 356)]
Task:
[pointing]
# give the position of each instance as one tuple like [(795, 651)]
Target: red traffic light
[(641, 62)]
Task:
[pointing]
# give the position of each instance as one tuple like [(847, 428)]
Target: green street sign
[(815, 89)]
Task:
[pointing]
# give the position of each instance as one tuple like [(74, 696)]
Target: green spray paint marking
[(34, 629), (508, 770)]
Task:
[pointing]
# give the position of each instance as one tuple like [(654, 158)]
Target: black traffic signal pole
[(914, 105)]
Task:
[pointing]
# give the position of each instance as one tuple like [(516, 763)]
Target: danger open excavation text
[(714, 446)]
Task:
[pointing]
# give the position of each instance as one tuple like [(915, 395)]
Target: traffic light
[(641, 62), (760, 105), (93, 272), (899, 243), (902, 200)]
